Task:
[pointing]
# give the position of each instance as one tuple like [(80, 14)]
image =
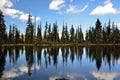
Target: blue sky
[(76, 12)]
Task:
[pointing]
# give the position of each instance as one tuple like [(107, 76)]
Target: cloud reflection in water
[(13, 73), (102, 75), (69, 76)]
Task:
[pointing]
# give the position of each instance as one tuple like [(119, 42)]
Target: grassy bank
[(60, 44)]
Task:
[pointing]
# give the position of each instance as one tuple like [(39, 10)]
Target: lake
[(60, 63)]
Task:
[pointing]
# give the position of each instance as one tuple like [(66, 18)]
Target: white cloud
[(73, 9), (23, 17), (106, 9), (57, 4), (7, 7), (5, 3)]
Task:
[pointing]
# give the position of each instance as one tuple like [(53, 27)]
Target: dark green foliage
[(66, 34), (46, 31), (63, 34), (22, 38), (72, 34), (49, 33), (106, 35), (2, 29), (39, 33), (11, 33), (17, 35), (14, 35), (98, 34), (55, 34), (29, 31), (79, 33)]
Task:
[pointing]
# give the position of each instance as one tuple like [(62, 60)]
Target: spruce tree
[(46, 31), (39, 33), (63, 34), (72, 33), (17, 36), (2, 28), (55, 34), (98, 34), (29, 31)]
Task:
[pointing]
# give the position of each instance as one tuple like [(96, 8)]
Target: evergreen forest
[(98, 34)]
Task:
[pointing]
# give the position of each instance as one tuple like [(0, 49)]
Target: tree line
[(109, 33)]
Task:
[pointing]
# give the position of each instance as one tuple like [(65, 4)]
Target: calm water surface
[(52, 63)]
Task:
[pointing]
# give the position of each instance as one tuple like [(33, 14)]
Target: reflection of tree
[(72, 50), (66, 54), (76, 52), (79, 53), (45, 57), (29, 58), (50, 55), (14, 53), (54, 53), (3, 53), (116, 54), (17, 52), (63, 54), (11, 55), (108, 54), (39, 55)]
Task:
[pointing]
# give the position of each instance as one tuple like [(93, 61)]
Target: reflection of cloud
[(12, 73), (76, 76), (104, 75), (18, 72), (69, 76)]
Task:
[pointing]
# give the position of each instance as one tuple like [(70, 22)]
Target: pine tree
[(80, 35), (87, 37), (98, 34), (46, 31), (29, 31), (17, 36), (22, 38), (39, 33), (63, 34), (55, 34), (49, 33), (66, 34), (2, 28), (72, 33), (12, 34), (109, 32)]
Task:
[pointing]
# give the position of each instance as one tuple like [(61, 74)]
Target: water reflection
[(3, 53), (109, 55), (20, 60), (68, 76), (104, 75)]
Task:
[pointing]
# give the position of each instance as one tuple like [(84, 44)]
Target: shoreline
[(60, 44)]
